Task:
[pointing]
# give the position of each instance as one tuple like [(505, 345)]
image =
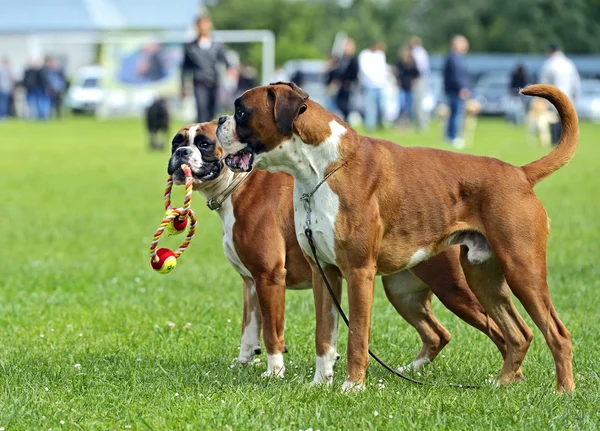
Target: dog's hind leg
[(446, 279), (487, 282), (411, 297), (523, 259)]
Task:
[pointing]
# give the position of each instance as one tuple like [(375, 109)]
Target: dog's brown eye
[(239, 113)]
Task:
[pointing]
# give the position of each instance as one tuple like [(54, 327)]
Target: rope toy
[(175, 222)]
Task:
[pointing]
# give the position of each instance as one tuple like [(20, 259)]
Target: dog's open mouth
[(208, 172), (240, 161)]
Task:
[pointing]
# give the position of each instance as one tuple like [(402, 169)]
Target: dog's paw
[(247, 353), (324, 367), (414, 366), (322, 379), (275, 367), (352, 387), (279, 373)]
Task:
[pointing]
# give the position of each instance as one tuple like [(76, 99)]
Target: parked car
[(492, 92), (587, 103), (85, 93)]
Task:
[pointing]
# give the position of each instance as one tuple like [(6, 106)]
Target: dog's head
[(264, 118), (196, 145)]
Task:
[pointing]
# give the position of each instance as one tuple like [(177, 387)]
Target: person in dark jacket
[(38, 102), (55, 82), (456, 86), (407, 73), (518, 80), (200, 59), (345, 76)]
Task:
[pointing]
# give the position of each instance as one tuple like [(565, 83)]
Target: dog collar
[(215, 203)]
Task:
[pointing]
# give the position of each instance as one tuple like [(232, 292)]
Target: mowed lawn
[(92, 338)]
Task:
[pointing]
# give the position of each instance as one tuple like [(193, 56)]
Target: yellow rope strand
[(180, 213)]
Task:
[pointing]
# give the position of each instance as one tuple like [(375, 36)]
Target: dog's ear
[(287, 105), (294, 87)]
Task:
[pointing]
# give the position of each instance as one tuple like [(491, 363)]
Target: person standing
[(420, 87), (561, 72), (345, 76), (35, 90), (407, 75), (56, 84), (456, 86), (201, 58), (518, 80), (7, 84), (372, 67)]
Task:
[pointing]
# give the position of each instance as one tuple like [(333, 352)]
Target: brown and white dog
[(388, 208), (260, 242)]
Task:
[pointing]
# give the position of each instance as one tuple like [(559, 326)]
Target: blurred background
[(116, 57)]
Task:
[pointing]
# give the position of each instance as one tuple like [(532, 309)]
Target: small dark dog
[(157, 123)]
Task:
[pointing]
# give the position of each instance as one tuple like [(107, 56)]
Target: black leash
[(309, 236)]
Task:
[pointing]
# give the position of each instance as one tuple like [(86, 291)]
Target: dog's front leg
[(360, 299), (270, 287), (251, 324), (327, 322)]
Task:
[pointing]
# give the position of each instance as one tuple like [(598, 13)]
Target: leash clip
[(306, 199), (213, 204)]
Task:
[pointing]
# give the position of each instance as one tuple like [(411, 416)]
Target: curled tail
[(563, 152)]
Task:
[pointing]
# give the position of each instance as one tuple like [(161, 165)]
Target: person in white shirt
[(372, 73), (421, 58), (561, 72)]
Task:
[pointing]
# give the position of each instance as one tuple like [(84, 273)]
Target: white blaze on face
[(195, 159), (227, 138)]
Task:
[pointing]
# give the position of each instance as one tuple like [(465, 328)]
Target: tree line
[(306, 28)]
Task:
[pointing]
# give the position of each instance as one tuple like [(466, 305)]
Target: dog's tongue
[(245, 161)]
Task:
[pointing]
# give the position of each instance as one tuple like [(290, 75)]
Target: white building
[(72, 29)]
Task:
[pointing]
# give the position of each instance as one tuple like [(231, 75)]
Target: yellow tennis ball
[(165, 262), (177, 226)]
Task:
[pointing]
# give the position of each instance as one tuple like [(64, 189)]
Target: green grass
[(81, 200)]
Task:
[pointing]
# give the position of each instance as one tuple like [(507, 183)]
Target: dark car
[(492, 91)]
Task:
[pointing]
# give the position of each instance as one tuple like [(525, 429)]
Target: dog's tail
[(563, 152)]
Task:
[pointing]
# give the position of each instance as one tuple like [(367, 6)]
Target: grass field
[(84, 338)]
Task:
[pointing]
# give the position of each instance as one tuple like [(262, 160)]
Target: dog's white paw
[(322, 379), (324, 367), (247, 353), (416, 365), (352, 387), (275, 367)]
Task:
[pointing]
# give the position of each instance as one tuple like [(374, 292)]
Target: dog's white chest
[(324, 209), (226, 213)]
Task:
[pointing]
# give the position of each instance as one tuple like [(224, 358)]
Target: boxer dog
[(260, 242), (387, 208)]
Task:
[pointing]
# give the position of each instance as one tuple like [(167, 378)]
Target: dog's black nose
[(183, 152), (222, 119)]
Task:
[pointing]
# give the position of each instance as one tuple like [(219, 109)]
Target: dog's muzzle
[(201, 170)]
